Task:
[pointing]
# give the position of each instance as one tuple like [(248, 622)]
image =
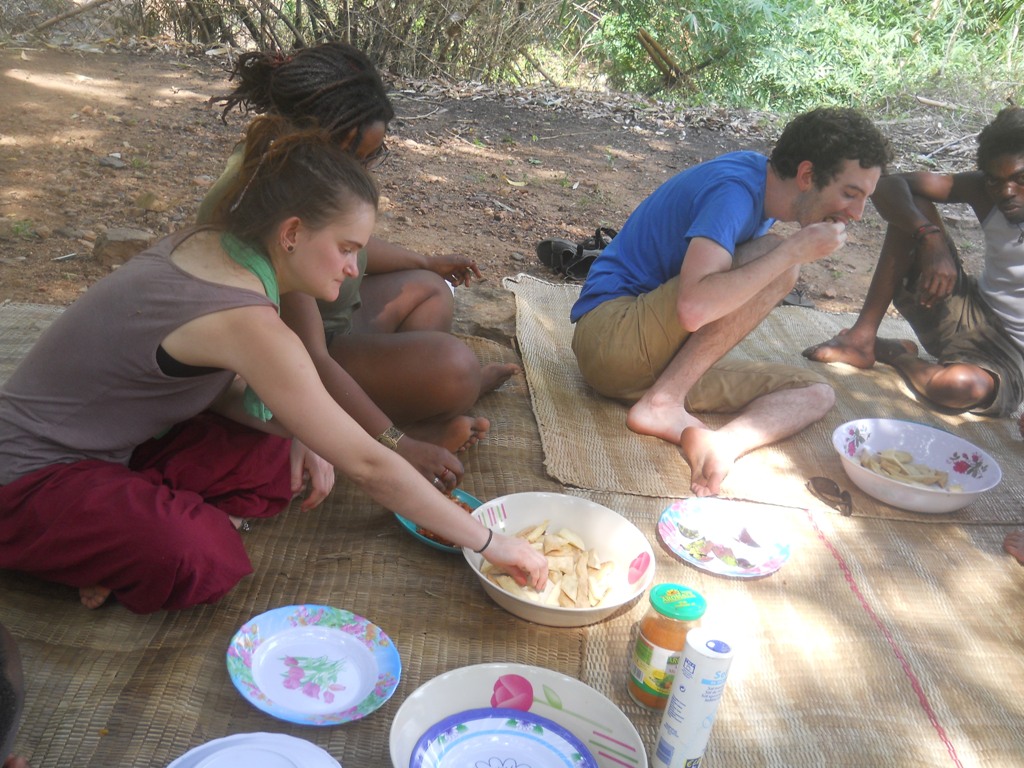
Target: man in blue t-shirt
[(694, 270)]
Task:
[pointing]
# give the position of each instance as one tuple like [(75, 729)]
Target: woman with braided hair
[(384, 348), (171, 402)]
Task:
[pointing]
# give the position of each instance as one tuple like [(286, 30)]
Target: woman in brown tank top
[(385, 349), (94, 505)]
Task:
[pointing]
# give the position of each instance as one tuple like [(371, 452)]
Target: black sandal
[(797, 298), (598, 241), (556, 254), (574, 259)]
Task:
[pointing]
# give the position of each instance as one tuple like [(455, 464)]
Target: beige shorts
[(624, 344)]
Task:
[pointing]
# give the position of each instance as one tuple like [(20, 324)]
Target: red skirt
[(156, 533)]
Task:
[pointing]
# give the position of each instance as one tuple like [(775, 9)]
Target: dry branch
[(668, 67), (933, 103), (536, 65), (68, 15)]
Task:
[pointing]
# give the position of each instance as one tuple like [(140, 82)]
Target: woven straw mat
[(587, 444), (858, 652), (108, 688), (861, 650)]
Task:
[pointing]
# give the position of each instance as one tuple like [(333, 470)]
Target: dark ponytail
[(334, 84)]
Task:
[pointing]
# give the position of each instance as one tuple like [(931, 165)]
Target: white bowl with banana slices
[(598, 561), (913, 466)]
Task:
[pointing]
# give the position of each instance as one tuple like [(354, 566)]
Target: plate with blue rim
[(499, 737), (313, 664), (421, 533)]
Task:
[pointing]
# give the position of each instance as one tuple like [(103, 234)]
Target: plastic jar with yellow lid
[(674, 611)]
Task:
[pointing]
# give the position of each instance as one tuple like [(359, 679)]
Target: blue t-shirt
[(721, 200)]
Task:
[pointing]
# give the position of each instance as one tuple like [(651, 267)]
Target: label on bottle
[(695, 696), (653, 668)]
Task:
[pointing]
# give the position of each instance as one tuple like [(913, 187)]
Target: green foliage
[(788, 55), (781, 55)]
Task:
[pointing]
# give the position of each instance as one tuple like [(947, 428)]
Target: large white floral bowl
[(609, 533), (592, 718), (971, 470)]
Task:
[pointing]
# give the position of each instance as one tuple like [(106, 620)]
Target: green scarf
[(254, 261)]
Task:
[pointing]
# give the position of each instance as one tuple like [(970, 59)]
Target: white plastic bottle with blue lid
[(692, 706)]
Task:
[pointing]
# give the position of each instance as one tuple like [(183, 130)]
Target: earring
[(290, 247)]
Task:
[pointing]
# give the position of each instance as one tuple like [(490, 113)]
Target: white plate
[(499, 737), (591, 717), (723, 536), (256, 750)]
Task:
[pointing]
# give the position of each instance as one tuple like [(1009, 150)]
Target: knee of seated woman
[(459, 369), (432, 284)]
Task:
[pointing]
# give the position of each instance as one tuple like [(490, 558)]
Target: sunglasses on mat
[(828, 491)]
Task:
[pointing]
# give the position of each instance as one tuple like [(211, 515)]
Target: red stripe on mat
[(914, 681)]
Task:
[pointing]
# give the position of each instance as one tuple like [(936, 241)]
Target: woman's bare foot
[(1014, 544), (494, 375), (667, 423), (710, 458), (93, 597), (14, 761), (457, 435), (843, 348), (888, 350)]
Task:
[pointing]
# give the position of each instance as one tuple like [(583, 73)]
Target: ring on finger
[(437, 482)]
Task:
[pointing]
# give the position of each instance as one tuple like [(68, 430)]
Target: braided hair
[(333, 83)]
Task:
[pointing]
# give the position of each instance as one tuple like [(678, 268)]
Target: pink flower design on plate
[(639, 567), (313, 676), (512, 692)]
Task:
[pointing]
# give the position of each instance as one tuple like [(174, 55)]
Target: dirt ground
[(92, 140)]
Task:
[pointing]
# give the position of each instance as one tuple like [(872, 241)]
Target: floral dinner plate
[(505, 737), (532, 694), (724, 536), (313, 664)]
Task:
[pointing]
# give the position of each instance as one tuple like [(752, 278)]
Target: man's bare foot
[(888, 350), (666, 423), (93, 597), (710, 458), (1014, 544), (494, 375), (842, 348), (457, 435)]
